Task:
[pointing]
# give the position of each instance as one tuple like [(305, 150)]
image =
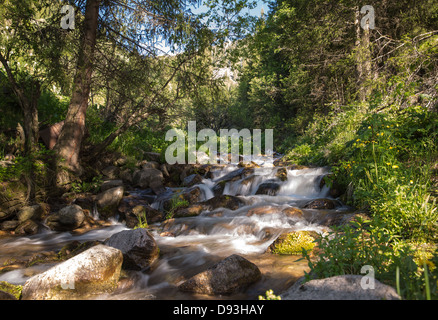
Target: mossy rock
[(293, 243), (11, 289)]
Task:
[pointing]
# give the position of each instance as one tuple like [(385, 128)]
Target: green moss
[(293, 243), (12, 289)]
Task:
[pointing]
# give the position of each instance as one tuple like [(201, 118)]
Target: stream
[(190, 245)]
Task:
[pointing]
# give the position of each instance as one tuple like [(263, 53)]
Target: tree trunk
[(363, 58), (69, 142)]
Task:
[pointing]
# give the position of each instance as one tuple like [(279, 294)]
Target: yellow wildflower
[(395, 166)]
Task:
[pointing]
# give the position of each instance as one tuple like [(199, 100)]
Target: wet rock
[(192, 179), (218, 189), (148, 178), (262, 210), (269, 188), (68, 218), (90, 273), (246, 164), (138, 247), (138, 213), (191, 211), (232, 274), (281, 174), (111, 172), (293, 212), (345, 287), (27, 227), (223, 201), (109, 184), (234, 175), (321, 204), (108, 201)]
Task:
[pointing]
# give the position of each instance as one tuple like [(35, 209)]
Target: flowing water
[(190, 245)]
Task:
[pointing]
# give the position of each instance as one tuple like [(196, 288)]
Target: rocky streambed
[(171, 232)]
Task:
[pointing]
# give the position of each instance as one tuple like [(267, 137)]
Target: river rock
[(262, 210), (138, 247), (229, 275), (108, 201), (192, 179), (281, 174), (293, 212), (190, 211), (68, 218), (148, 178), (90, 273), (27, 227), (30, 213), (223, 201), (345, 287), (269, 188), (9, 225), (321, 204), (235, 175)]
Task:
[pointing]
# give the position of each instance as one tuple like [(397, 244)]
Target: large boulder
[(90, 273), (345, 287), (138, 247), (68, 218), (229, 275)]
